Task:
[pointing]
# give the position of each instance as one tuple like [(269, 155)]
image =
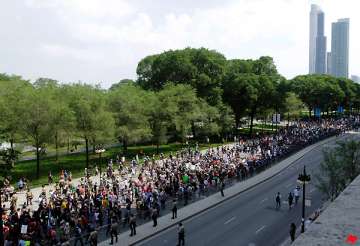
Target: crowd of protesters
[(127, 193)]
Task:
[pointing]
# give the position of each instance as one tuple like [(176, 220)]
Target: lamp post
[(303, 179), (100, 151)]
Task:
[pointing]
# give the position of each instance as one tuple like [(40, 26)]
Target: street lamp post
[(303, 179), (100, 151)]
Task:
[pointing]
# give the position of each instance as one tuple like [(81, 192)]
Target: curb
[(311, 147)]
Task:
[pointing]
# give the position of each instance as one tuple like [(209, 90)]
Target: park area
[(155, 139)]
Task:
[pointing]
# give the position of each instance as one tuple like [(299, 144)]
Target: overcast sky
[(101, 41)]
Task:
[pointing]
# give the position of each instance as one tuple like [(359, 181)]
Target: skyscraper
[(317, 42), (328, 62), (340, 48), (320, 57)]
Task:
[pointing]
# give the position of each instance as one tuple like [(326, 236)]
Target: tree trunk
[(56, 149), (125, 147), (310, 109), (37, 161), (157, 148), (251, 121), (68, 145), (12, 145), (237, 121), (193, 129), (288, 119), (87, 151)]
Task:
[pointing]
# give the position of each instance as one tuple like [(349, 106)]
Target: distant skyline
[(317, 41), (94, 42), (340, 48)]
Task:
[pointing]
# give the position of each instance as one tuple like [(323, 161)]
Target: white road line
[(312, 190), (263, 200), (228, 221), (260, 229), (288, 185)]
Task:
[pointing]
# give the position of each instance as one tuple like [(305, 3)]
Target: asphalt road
[(251, 219)]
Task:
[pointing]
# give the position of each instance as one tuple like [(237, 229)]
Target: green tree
[(201, 68), (12, 93), (121, 82), (250, 87), (130, 106), (36, 108), (293, 106), (187, 110), (8, 157), (318, 91), (61, 116), (93, 122), (339, 168)]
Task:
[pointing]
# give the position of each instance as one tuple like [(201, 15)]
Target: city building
[(340, 48), (320, 58), (328, 63), (317, 42), (355, 78)]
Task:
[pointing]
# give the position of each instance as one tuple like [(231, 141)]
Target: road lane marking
[(288, 185), (228, 221), (263, 200), (312, 190), (260, 229)]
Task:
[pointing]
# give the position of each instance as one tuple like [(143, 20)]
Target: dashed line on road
[(260, 229), (229, 220), (263, 200), (288, 185), (312, 190)]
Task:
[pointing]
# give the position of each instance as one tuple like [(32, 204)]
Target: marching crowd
[(133, 192)]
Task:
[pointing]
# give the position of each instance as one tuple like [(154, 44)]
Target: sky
[(102, 41)]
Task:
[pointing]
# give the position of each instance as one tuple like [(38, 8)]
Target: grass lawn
[(76, 162), (50, 149), (259, 128)]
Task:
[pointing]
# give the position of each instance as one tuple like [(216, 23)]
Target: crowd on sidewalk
[(127, 193)]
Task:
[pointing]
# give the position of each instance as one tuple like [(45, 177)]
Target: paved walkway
[(146, 230), (37, 191)]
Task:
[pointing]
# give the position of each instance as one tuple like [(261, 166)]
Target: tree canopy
[(178, 94)]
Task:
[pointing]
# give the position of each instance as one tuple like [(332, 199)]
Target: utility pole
[(303, 179)]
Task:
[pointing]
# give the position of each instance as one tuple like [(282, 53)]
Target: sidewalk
[(37, 191), (146, 230)]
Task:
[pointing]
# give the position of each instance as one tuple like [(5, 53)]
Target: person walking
[(181, 235), (278, 200), (29, 197), (154, 216), (290, 200), (292, 232), (114, 231), (222, 186), (186, 195), (297, 194), (132, 223), (174, 209), (93, 238), (78, 236)]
